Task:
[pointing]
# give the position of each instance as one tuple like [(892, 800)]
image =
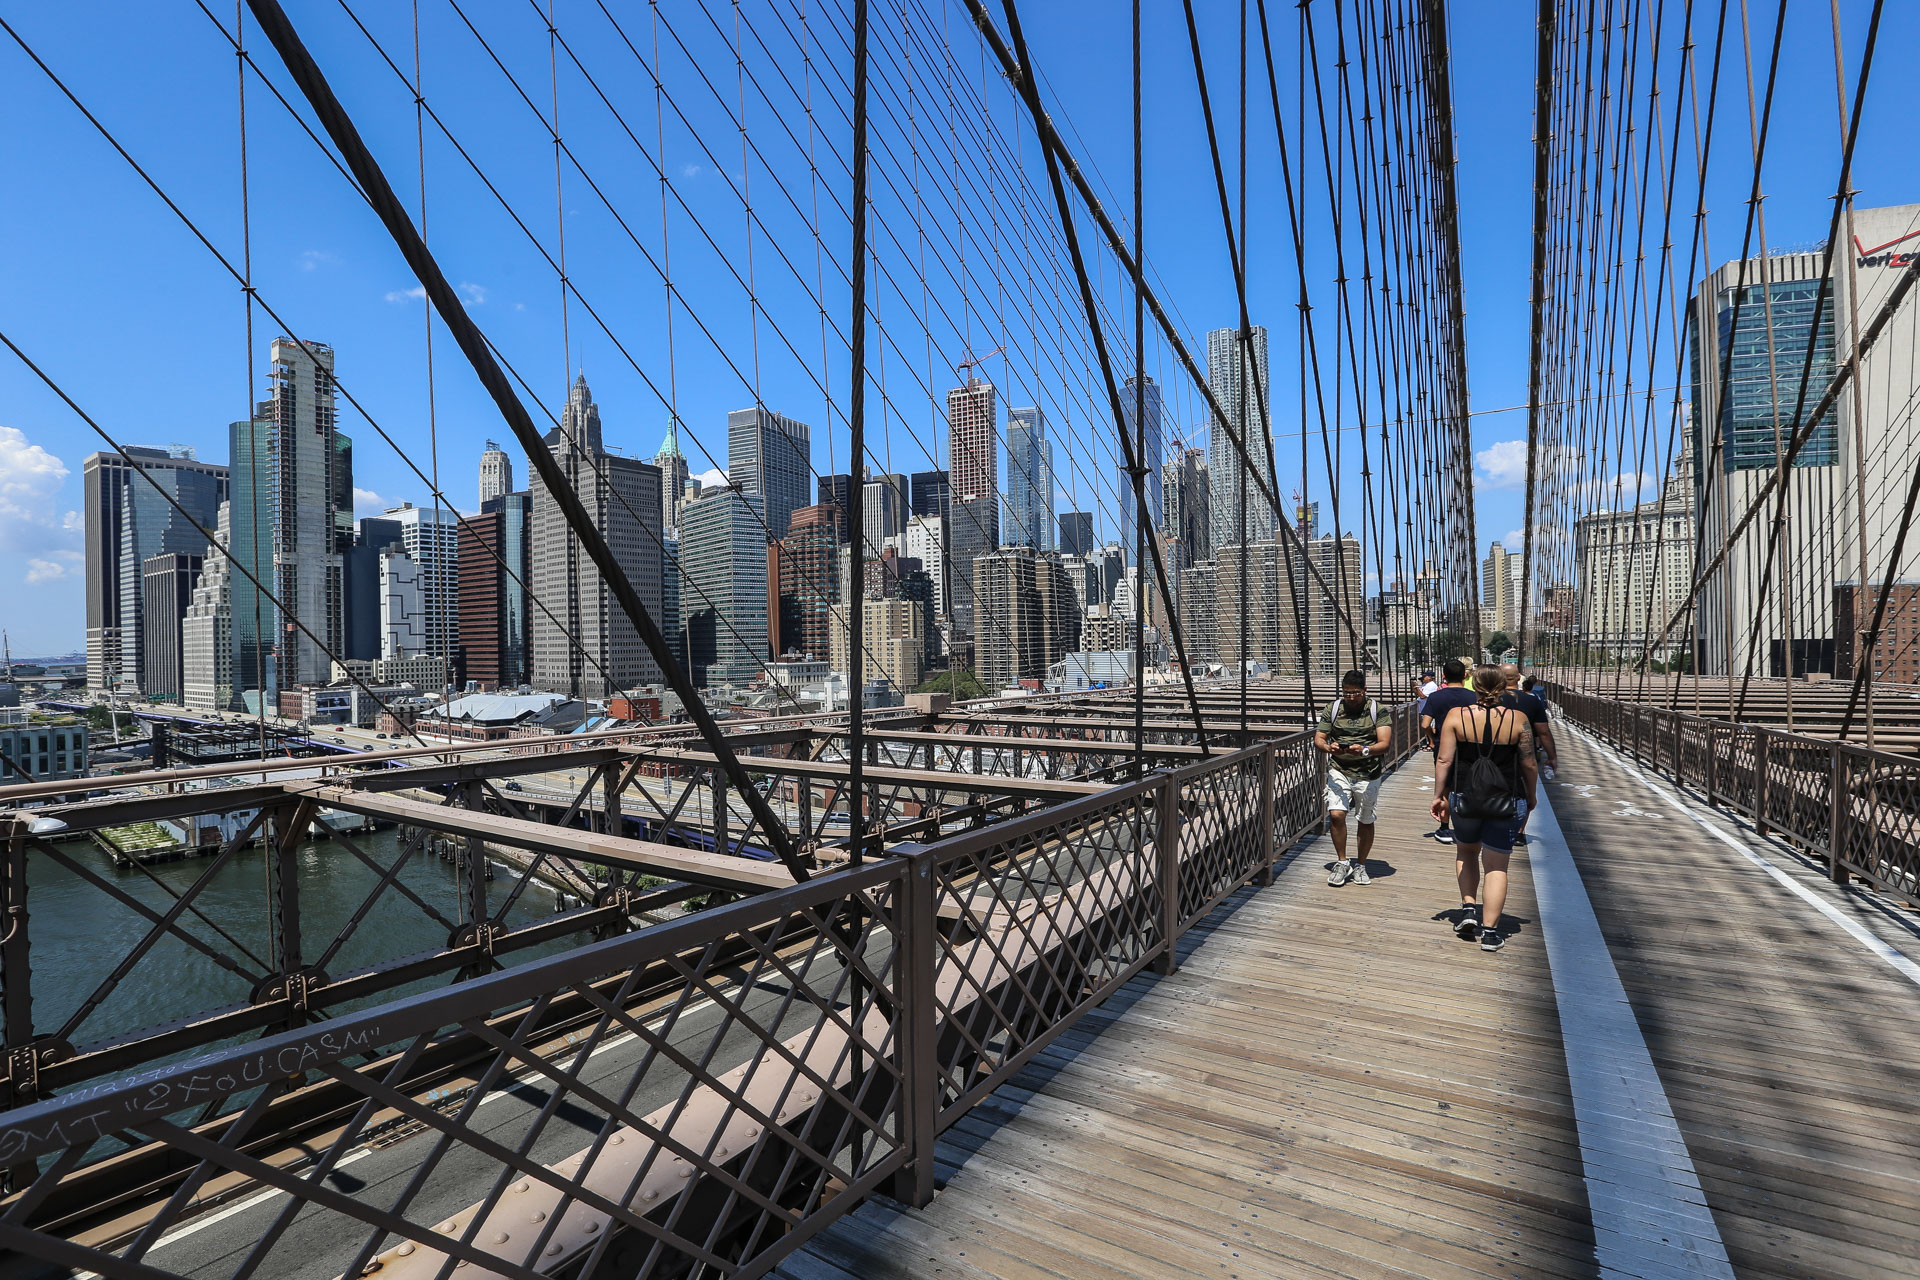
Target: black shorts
[(1493, 833)]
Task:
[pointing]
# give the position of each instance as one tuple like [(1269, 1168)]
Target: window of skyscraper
[(1766, 378)]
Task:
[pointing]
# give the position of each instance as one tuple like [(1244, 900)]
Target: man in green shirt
[(1355, 733)]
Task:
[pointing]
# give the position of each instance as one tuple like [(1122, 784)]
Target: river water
[(80, 933)]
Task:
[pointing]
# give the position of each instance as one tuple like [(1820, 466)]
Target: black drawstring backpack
[(1486, 792)]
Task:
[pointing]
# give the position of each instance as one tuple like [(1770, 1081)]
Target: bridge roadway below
[(1695, 1057)]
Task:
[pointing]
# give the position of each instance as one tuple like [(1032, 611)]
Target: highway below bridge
[(1051, 914)]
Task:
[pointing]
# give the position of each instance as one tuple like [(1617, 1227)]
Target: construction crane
[(973, 360)]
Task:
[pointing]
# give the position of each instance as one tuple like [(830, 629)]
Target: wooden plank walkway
[(1333, 1085)]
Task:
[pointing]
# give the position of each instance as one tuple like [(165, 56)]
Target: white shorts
[(1352, 795)]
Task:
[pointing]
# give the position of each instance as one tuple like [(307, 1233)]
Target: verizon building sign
[(1889, 254)]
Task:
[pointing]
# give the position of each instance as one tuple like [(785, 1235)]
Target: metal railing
[(1856, 810), (697, 1098)]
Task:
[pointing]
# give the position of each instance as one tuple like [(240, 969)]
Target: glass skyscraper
[(1028, 521), (770, 455), (1151, 433), (723, 567), (1238, 384), (1763, 381)]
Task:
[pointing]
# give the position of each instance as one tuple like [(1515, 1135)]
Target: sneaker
[(1468, 925), (1341, 873), (1519, 839), (1492, 939), (1360, 875), (1444, 835)]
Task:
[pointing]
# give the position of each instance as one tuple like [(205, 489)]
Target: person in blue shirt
[(1534, 707), (1452, 693)]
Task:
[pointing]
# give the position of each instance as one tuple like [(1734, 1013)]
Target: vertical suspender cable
[(253, 418), (1542, 165), (1020, 70), (473, 344), (857, 452), (1144, 527)]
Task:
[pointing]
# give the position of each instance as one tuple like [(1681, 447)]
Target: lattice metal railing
[(692, 1099), (1857, 810)]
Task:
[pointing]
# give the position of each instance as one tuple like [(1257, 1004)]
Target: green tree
[(1413, 648), (1449, 644), (1498, 643), (959, 682)]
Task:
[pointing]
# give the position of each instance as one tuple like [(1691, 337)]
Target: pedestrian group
[(1491, 744)]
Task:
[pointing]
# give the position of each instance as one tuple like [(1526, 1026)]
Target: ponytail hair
[(1489, 682)]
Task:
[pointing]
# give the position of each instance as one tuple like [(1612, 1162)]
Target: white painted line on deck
[(1650, 1216), (1866, 937)]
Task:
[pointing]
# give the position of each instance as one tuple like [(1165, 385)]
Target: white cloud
[(368, 503), (41, 570), (1515, 539), (1502, 465), (519, 306), (30, 478), (690, 171), (314, 259), (472, 294), (714, 479)]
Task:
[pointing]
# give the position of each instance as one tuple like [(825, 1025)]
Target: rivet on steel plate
[(553, 1250), (616, 1139), (405, 1250), (593, 1228), (501, 1237), (538, 1215), (650, 1195), (686, 1173), (448, 1227), (523, 1185)]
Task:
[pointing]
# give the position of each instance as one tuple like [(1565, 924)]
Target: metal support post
[(1166, 852), (1760, 781), (919, 1034), (476, 903), (1269, 765), (1839, 802), (720, 840), (611, 787), (1713, 758), (16, 974), (289, 828)]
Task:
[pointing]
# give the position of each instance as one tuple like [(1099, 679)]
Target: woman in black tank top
[(1483, 842)]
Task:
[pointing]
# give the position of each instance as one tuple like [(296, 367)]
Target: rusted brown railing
[(1856, 810), (719, 1088)]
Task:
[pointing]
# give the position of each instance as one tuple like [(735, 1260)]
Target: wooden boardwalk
[(1333, 1085)]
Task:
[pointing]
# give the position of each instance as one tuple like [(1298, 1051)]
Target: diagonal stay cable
[(346, 138), (1031, 95)]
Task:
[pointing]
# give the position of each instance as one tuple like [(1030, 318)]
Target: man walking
[(1356, 735), (1453, 692)]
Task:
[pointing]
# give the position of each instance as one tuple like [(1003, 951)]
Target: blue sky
[(145, 329)]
